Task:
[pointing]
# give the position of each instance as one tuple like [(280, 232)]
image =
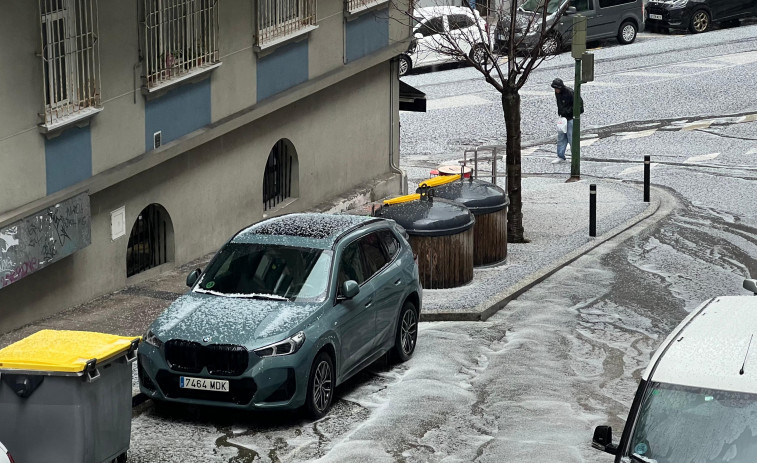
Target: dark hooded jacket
[(565, 103)]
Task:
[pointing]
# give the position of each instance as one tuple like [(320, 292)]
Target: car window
[(538, 5), (431, 27), (373, 253), (460, 21), (581, 5), (351, 264), (609, 3), (256, 270), (391, 244)]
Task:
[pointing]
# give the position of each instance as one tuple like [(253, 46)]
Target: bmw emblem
[(206, 339)]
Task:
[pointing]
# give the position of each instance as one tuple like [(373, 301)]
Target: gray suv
[(622, 19)]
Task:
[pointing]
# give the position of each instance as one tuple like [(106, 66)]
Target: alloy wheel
[(403, 67), (701, 21), (549, 47), (629, 33), (409, 331), (479, 55), (322, 386)]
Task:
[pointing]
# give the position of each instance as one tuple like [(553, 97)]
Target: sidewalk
[(555, 217)]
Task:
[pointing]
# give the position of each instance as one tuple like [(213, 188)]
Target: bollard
[(647, 166), (592, 210)]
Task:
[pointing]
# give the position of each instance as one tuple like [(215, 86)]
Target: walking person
[(564, 96)]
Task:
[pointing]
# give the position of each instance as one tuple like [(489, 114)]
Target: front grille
[(240, 390), (220, 359)]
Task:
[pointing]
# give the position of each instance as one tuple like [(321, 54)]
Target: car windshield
[(268, 272), (678, 424), (537, 6)]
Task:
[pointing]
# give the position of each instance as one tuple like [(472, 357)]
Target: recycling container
[(441, 236), (488, 203), (65, 396)]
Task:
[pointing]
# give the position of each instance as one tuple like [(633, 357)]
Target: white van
[(697, 399)]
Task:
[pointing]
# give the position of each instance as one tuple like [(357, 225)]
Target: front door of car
[(597, 24), (427, 46), (355, 320)]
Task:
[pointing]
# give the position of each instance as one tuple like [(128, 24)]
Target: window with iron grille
[(151, 240), (281, 172), (356, 6), (278, 20), (180, 39), (70, 60)]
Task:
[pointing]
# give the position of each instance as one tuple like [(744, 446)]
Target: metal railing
[(357, 5), (277, 179), (496, 154), (148, 241), (70, 57), (181, 36), (277, 19)]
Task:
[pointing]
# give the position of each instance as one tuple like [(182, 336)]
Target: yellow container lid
[(62, 351), (402, 199)]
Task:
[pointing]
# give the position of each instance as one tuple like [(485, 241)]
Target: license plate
[(655, 16), (203, 384)]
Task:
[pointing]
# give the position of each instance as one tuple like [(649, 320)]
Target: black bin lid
[(477, 195), (424, 217)]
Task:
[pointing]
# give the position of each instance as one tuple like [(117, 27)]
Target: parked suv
[(434, 27), (622, 19), (697, 15), (697, 399)]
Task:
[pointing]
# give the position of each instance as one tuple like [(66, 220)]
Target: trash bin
[(65, 396), (441, 236)]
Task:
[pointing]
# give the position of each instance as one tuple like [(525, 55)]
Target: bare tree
[(523, 39)]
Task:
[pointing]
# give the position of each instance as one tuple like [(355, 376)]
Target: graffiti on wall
[(43, 238)]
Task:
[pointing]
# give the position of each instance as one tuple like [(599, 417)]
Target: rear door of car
[(463, 30), (431, 30), (355, 318), (390, 287)]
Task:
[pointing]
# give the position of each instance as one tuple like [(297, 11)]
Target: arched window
[(281, 174), (151, 240)]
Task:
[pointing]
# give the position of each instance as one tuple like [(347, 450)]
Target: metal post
[(494, 165), (575, 143), (647, 165), (592, 210)]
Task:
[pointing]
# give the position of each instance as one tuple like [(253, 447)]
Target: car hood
[(231, 320)]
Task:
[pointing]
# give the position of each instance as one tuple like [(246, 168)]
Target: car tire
[(700, 22), (478, 54), (627, 32), (407, 333), (405, 65), (320, 391)]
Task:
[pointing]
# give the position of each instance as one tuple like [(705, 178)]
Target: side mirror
[(349, 289), (570, 10), (418, 35), (751, 285), (193, 277), (603, 439)]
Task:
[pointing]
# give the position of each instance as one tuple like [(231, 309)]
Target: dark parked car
[(287, 310), (697, 15)]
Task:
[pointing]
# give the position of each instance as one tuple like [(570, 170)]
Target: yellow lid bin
[(64, 351), (66, 396)]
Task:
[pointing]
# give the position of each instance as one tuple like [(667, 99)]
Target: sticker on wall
[(118, 223)]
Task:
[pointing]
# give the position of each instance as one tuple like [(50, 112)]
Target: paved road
[(532, 382)]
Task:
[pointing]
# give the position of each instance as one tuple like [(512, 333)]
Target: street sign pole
[(578, 49)]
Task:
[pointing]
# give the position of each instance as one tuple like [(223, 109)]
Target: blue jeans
[(563, 139)]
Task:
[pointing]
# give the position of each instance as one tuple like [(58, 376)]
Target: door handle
[(369, 303), (397, 283)]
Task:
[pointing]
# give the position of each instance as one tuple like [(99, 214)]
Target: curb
[(661, 200)]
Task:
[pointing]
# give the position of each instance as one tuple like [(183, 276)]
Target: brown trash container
[(441, 235)]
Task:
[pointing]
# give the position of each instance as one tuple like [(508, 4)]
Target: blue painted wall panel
[(284, 68), (68, 158), (367, 33), (182, 110)]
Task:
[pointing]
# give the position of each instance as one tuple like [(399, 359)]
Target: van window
[(432, 27), (609, 3), (459, 21), (582, 5)]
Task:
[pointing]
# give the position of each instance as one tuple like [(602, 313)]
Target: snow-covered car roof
[(431, 11), (324, 229), (715, 347)]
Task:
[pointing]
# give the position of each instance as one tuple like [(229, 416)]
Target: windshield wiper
[(268, 297)]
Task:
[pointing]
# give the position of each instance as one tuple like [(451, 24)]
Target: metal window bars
[(277, 179), (354, 6), (277, 19), (180, 36), (70, 57)]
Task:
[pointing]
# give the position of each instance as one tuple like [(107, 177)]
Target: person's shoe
[(558, 160)]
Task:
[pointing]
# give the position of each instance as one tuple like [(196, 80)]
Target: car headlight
[(151, 339), (286, 347)]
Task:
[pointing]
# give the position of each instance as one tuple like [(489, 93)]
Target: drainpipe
[(393, 79)]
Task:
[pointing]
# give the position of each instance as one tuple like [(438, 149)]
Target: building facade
[(138, 135)]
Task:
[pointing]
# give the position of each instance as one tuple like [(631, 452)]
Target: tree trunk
[(511, 109)]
